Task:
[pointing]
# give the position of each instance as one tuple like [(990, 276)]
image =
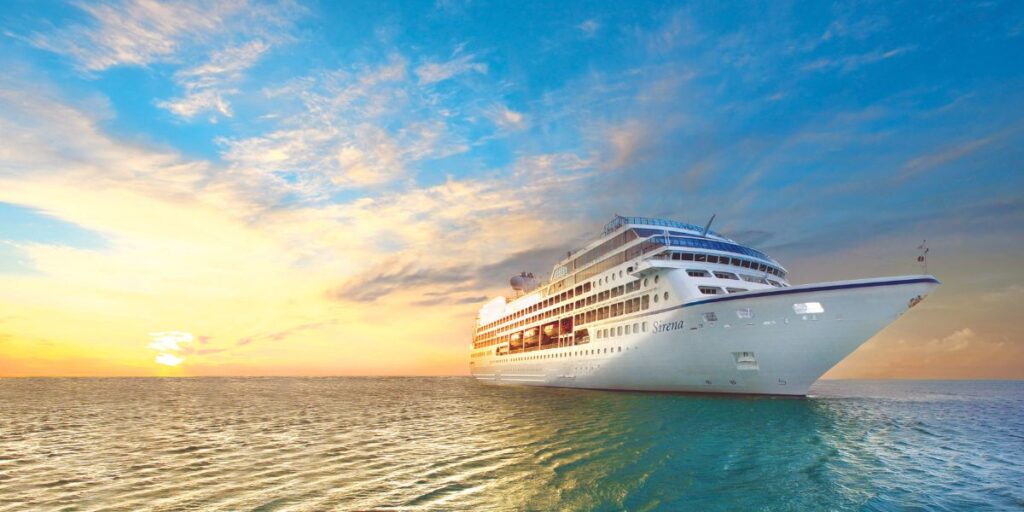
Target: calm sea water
[(452, 444)]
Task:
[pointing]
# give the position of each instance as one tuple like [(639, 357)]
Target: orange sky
[(239, 192)]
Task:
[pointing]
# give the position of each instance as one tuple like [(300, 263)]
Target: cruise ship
[(660, 305)]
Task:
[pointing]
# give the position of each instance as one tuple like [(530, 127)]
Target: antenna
[(923, 257), (708, 226)]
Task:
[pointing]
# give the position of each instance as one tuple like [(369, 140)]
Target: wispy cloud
[(208, 85), (849, 63), (437, 71), (135, 32), (335, 135), (923, 163), (589, 27), (506, 118)]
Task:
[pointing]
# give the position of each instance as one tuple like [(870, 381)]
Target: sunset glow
[(279, 188)]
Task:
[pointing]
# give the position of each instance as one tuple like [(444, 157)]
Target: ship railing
[(620, 221)]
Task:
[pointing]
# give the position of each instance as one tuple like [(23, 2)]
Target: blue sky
[(443, 144)]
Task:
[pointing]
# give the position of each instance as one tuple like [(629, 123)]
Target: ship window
[(806, 308), (687, 256), (627, 329), (655, 298), (636, 327), (645, 302), (712, 258), (645, 282), (744, 313), (700, 257), (675, 255), (656, 279), (697, 273), (726, 275), (774, 283), (710, 317), (709, 290), (665, 296), (735, 262), (644, 326), (618, 330)]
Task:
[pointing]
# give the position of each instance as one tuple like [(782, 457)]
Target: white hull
[(789, 351)]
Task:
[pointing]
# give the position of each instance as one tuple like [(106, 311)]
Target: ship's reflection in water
[(450, 443)]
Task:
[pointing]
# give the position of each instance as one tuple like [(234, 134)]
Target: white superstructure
[(661, 305)]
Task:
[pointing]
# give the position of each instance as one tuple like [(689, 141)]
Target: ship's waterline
[(667, 306)]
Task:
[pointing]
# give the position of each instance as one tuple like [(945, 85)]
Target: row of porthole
[(622, 330), (589, 352)]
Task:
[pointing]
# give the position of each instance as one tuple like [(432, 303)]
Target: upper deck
[(633, 239), (626, 231)]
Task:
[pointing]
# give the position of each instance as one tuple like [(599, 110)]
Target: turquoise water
[(452, 444)]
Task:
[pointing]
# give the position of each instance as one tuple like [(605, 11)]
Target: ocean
[(453, 444)]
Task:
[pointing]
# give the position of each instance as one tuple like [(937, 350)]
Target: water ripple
[(451, 444)]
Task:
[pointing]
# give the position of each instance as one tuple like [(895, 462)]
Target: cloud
[(589, 27), (849, 63), (137, 32), (207, 85), (167, 343), (432, 71), (627, 142), (393, 274), (506, 118), (346, 128), (947, 155)]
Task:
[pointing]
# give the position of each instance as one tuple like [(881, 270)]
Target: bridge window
[(709, 290), (808, 308), (697, 273), (726, 275)]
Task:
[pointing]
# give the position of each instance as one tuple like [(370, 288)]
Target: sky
[(232, 187)]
